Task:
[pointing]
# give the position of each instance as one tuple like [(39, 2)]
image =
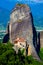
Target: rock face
[(21, 26), (41, 39)]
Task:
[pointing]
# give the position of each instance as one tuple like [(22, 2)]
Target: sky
[(37, 1), (9, 4), (36, 6)]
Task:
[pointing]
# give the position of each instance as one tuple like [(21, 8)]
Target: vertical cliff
[(41, 39), (22, 26)]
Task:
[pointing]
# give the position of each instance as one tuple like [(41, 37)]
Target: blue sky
[(9, 4), (6, 7), (37, 1)]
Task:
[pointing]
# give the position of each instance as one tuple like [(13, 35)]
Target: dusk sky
[(36, 6)]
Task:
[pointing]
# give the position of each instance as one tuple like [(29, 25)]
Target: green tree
[(8, 56)]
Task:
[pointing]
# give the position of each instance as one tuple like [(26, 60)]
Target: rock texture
[(21, 26), (41, 39)]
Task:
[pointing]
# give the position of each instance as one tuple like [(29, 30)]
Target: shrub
[(9, 57), (41, 53)]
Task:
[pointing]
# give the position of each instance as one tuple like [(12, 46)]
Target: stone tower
[(21, 26)]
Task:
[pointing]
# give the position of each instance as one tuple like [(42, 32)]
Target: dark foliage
[(9, 57)]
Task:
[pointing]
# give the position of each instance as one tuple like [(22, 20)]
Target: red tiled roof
[(19, 40)]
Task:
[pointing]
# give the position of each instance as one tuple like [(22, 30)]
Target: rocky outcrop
[(21, 26)]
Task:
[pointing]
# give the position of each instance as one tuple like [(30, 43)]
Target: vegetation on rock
[(9, 57), (41, 53)]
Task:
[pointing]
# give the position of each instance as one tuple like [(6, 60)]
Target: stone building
[(21, 26)]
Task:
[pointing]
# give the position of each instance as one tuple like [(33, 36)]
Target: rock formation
[(21, 26)]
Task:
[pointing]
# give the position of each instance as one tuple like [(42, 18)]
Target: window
[(20, 44)]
